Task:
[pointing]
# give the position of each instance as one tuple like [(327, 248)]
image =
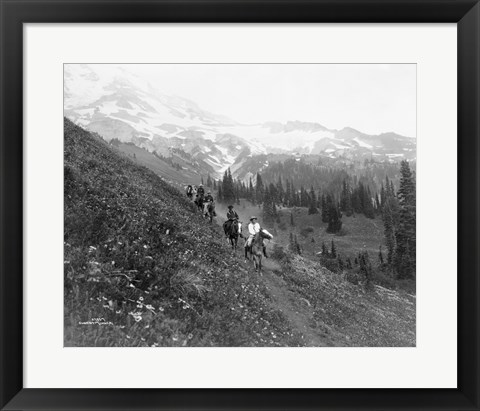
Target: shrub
[(306, 231), (383, 279), (188, 283), (353, 277), (279, 253), (330, 264)]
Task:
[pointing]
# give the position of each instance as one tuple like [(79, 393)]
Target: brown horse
[(233, 230), (256, 250)]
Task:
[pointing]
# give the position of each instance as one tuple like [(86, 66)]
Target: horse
[(256, 249), (209, 210), (189, 191), (233, 230), (199, 202)]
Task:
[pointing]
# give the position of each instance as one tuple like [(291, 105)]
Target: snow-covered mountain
[(119, 105)]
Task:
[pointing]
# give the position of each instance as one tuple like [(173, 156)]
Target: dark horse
[(233, 230), (256, 250), (209, 210), (199, 202)]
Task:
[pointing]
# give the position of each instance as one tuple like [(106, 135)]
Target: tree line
[(396, 208)]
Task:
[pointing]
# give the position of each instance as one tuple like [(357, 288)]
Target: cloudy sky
[(372, 98)]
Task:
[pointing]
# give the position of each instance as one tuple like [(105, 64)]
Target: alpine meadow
[(186, 227)]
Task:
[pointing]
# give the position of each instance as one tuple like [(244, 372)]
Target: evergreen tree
[(313, 202), (273, 193), (288, 194), (357, 205), (324, 250), (238, 186), (294, 200), (346, 199), (380, 256), (378, 206), (365, 266), (220, 193), (405, 253), (390, 223), (382, 196), (368, 209), (251, 191), (259, 189), (334, 218), (304, 199), (388, 191), (297, 246), (333, 251), (228, 187), (280, 191), (325, 209), (267, 207)]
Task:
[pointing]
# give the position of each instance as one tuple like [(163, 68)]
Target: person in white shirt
[(253, 228)]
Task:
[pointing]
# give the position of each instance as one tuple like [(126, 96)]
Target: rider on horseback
[(208, 197), (232, 217), (231, 214), (200, 191), (208, 200), (254, 228)]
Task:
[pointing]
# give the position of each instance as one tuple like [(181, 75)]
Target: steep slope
[(141, 262), (343, 314)]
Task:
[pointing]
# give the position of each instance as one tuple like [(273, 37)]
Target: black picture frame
[(14, 13)]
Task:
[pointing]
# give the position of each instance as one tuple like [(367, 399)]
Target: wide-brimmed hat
[(253, 218), (230, 206)]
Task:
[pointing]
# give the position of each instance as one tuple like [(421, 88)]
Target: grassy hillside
[(343, 314), (141, 262)]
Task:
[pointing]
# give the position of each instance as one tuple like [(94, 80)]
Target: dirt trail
[(298, 310)]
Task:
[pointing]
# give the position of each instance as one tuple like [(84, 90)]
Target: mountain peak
[(117, 104)]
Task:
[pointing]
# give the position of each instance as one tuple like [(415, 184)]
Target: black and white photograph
[(240, 205)]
